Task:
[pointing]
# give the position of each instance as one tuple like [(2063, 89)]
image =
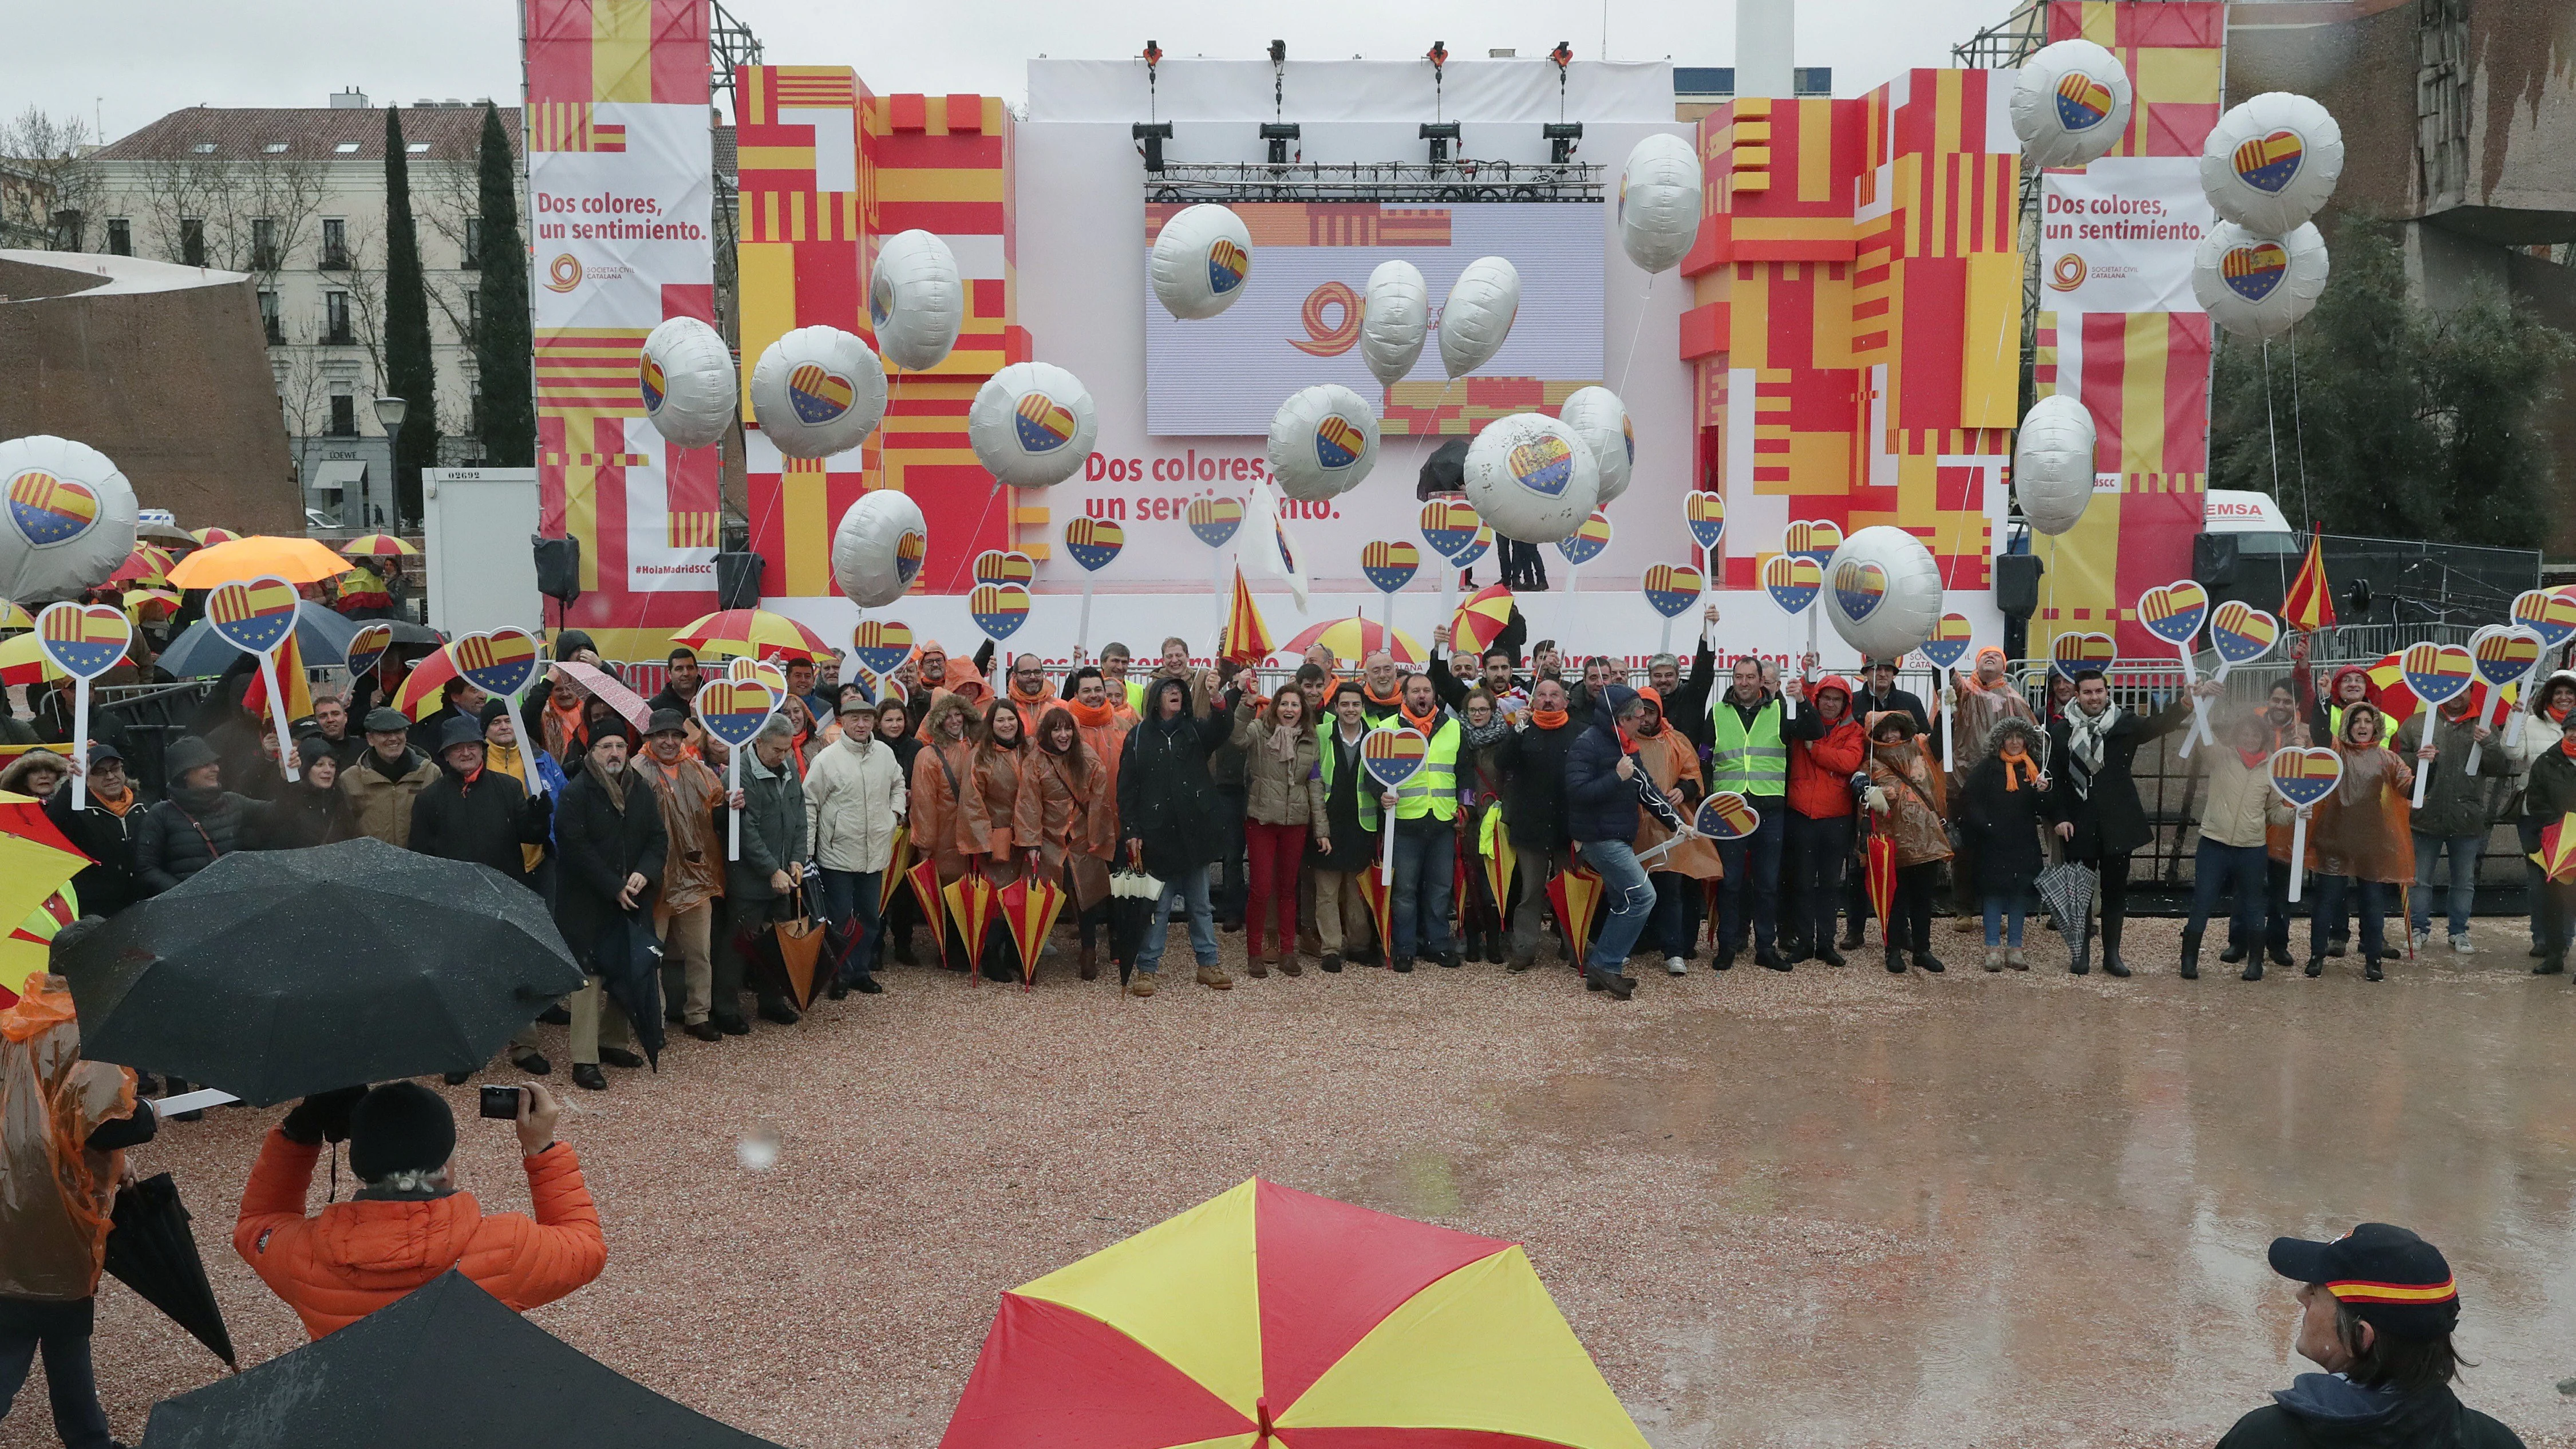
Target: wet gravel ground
[(1826, 1207)]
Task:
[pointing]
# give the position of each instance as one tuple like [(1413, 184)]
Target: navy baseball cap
[(2395, 1281)]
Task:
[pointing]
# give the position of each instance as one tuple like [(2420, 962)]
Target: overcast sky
[(125, 62)]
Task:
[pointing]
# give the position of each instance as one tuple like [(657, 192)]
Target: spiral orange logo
[(2067, 274), (563, 274), (1333, 341)]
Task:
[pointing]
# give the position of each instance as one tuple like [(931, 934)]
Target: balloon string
[(1636, 332), (2298, 427), (2272, 430)]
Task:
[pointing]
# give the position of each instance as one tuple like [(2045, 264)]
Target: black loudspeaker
[(2017, 583), (738, 580), (558, 567), (2213, 559)]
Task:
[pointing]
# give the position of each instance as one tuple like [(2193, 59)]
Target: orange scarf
[(2018, 768), (2569, 746), (1091, 716), (1548, 719), (1393, 701), (2253, 758), (1423, 722), (117, 806)]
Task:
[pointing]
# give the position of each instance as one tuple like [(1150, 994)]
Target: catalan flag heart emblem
[(998, 609), (1791, 581), (1451, 526), (253, 617), (1392, 756), (2072, 654), (498, 663), (2305, 776), (742, 669), (909, 551), (1726, 816), (2082, 101), (1812, 539), (1094, 542), (50, 510), (2242, 633), (2504, 655), (2252, 272), (2547, 613), (1860, 587), (651, 381), (2438, 673), (881, 645), (1587, 541), (1214, 520), (2174, 612), (733, 710), (1228, 264), (1543, 465), (2269, 163), (1041, 423), (1001, 566), (1338, 443), (817, 394), (1671, 589), (84, 641), (1389, 566), (1949, 642), (1706, 515), (367, 648)]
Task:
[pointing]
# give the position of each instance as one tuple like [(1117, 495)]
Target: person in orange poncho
[(997, 818), (940, 771), (1669, 758), (2358, 837), (1077, 809), (65, 1123)]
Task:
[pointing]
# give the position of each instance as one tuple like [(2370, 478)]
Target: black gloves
[(323, 1117)]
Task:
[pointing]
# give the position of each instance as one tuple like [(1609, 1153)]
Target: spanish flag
[(2309, 605), (1247, 640), (290, 681)]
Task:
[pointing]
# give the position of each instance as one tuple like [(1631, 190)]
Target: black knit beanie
[(400, 1127)]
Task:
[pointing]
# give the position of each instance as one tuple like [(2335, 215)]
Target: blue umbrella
[(200, 653)]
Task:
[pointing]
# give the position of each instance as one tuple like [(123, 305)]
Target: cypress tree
[(410, 374), (502, 354)]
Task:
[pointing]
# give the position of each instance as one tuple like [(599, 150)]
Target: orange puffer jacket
[(356, 1257)]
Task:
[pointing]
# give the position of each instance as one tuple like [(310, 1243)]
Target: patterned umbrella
[(1879, 878), (1494, 849), (29, 948), (1029, 908), (970, 905), (1270, 1315), (154, 603), (754, 634), (36, 863), (376, 545), (2556, 856), (146, 565), (898, 864), (924, 880), (1576, 894), (1480, 620), (209, 537), (1357, 639), (1381, 906)]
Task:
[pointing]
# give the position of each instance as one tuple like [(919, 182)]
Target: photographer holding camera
[(408, 1223)]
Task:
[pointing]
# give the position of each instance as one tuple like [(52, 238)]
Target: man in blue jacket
[(1604, 790)]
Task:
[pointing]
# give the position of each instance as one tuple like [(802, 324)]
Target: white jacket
[(854, 799)]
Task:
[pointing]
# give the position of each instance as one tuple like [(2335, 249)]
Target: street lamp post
[(390, 412)]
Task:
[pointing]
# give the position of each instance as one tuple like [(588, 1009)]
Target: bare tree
[(48, 191), (251, 215)]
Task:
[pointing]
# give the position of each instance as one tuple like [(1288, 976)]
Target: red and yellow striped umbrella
[(14, 617), (150, 603), (146, 565), (1357, 639), (376, 545), (1576, 894), (753, 633), (1480, 620), (1269, 1314), (2556, 856), (35, 861), (208, 537)]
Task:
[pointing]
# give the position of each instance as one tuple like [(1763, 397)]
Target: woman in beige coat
[(1283, 799)]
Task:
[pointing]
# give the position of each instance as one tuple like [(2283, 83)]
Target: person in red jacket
[(1826, 745), (408, 1222)]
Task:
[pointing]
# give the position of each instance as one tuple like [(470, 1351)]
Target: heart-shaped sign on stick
[(881, 645), (733, 710), (2547, 613), (253, 617), (1671, 589), (2504, 655), (1391, 757), (1094, 543), (2174, 613), (83, 641), (1450, 525), (2303, 777), (1587, 541), (1214, 520), (1706, 515), (1389, 566), (2241, 634), (367, 649), (998, 566), (1813, 539), (2072, 654), (2438, 674), (1792, 581), (498, 663), (1726, 816), (1949, 643), (743, 670), (998, 609)]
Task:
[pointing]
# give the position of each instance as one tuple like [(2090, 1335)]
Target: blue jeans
[(2332, 893), (1754, 861), (1631, 898), (2276, 902), (2464, 877), (1426, 865), (850, 904), (2003, 921), (2247, 868), (1190, 891)]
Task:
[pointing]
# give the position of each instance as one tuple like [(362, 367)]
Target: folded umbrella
[(1132, 897), (924, 880), (1576, 894), (1029, 907), (1381, 907), (445, 1366), (788, 954), (2067, 889), (970, 905), (1878, 879), (276, 974), (627, 959), (151, 1250)]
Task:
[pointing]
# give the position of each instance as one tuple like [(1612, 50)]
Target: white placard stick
[(2298, 852), (276, 712), (80, 741), (196, 1101)]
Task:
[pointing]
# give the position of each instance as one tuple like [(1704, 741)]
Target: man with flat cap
[(2377, 1307)]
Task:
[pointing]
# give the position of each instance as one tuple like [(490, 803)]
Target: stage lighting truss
[(1443, 183)]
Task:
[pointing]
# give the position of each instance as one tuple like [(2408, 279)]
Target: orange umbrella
[(1576, 894), (1029, 908), (296, 560)]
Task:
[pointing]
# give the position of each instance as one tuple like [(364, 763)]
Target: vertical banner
[(2119, 329), (620, 188)]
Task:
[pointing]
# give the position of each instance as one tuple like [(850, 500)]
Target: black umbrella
[(1445, 471), (151, 1251), (1132, 898), (276, 974), (444, 1367), (628, 958)]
